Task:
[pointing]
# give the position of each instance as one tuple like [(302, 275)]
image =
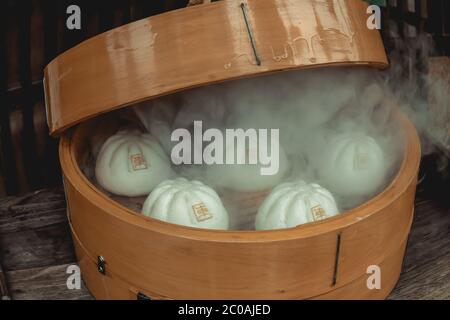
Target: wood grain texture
[(4, 287), (184, 263), (114, 287), (30, 248), (32, 226), (46, 283), (438, 100), (426, 270), (357, 290), (175, 51), (31, 211)]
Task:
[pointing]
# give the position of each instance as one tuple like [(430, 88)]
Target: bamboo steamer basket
[(124, 255)]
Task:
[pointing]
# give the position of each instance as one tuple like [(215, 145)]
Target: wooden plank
[(48, 283), (40, 210), (426, 272), (4, 289), (430, 281), (39, 247), (34, 231), (36, 247), (430, 236)]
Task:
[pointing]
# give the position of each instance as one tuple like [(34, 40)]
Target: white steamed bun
[(188, 203), (131, 163), (295, 203)]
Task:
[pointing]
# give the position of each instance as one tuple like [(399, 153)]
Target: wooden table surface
[(36, 250)]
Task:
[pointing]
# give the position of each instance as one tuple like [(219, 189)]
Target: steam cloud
[(308, 107)]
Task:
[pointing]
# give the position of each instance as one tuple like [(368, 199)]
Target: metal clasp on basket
[(101, 265), (142, 296)]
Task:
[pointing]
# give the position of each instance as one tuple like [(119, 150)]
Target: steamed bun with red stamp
[(353, 164), (188, 203), (295, 203), (131, 163)]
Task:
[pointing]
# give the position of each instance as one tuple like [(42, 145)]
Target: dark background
[(33, 32)]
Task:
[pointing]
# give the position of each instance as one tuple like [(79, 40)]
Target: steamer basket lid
[(202, 45)]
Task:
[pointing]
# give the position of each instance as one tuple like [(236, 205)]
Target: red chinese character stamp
[(318, 213), (138, 162), (201, 212)]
